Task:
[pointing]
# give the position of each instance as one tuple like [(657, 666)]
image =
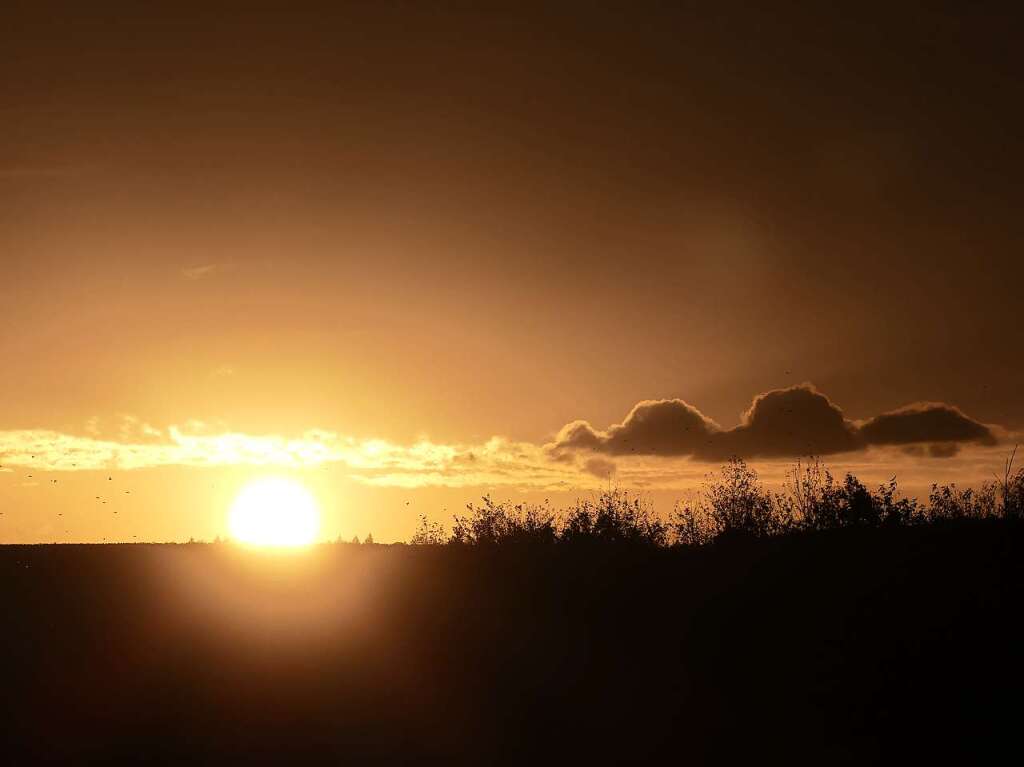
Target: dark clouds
[(781, 423), (788, 422), (934, 450), (925, 422), (660, 427), (601, 468)]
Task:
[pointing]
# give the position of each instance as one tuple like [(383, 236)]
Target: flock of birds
[(103, 500)]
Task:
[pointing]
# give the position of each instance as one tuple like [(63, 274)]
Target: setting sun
[(274, 512)]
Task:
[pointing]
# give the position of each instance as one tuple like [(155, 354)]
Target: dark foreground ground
[(849, 647)]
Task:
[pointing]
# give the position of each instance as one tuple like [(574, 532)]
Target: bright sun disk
[(274, 512)]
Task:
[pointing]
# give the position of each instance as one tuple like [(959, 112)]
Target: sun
[(274, 512)]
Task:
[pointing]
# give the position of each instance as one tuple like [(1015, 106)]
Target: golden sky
[(397, 250)]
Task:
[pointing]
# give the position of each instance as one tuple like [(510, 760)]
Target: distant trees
[(732, 504), (356, 542)]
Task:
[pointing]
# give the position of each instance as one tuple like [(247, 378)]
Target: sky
[(411, 253)]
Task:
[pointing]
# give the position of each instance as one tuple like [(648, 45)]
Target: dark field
[(851, 646)]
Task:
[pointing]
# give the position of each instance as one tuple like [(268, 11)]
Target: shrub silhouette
[(1002, 498), (732, 504), (818, 502), (949, 502), (428, 533), (813, 497), (1012, 493), (615, 517), (1011, 490), (861, 507), (491, 523)]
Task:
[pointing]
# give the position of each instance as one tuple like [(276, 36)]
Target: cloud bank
[(783, 423), (659, 444), (136, 445), (925, 422)]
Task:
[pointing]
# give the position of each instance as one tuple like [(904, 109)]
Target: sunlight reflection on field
[(261, 598)]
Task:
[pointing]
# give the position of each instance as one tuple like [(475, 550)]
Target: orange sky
[(395, 250)]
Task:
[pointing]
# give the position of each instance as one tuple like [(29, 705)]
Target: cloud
[(643, 451), (653, 427), (934, 450), (137, 445), (202, 271), (933, 422), (943, 449), (783, 423), (601, 468), (789, 422)]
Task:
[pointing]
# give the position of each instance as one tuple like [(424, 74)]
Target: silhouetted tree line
[(732, 504)]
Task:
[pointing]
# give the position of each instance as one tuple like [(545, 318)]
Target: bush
[(1002, 498), (814, 499), (428, 533), (614, 517), (1012, 494), (817, 502), (952, 503), (890, 510), (503, 523), (731, 504), (1011, 490)]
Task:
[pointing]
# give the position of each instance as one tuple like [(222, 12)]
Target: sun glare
[(274, 512)]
